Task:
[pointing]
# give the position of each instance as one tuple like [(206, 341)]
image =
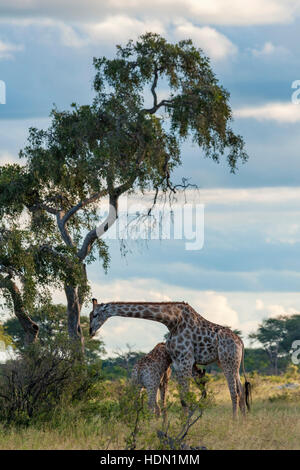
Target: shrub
[(292, 371), (42, 378)]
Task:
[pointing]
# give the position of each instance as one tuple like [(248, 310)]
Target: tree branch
[(9, 271), (114, 194), (167, 103), (30, 328), (99, 231), (63, 230), (95, 197), (45, 207), (56, 253), (156, 105), (63, 218)]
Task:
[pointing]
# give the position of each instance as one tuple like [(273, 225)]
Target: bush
[(41, 379), (292, 371)]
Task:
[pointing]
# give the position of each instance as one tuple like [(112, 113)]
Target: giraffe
[(192, 339), (153, 372)]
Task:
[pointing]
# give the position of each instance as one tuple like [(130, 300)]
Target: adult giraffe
[(192, 339)]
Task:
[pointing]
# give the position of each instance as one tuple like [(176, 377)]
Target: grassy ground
[(274, 423)]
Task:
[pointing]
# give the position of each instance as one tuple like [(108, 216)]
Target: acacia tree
[(271, 333), (118, 144), (276, 336)]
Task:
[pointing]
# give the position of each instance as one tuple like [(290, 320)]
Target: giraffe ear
[(94, 303)]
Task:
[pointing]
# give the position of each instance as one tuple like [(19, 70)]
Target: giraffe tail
[(247, 386)]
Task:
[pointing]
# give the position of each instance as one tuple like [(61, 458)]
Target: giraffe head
[(97, 316)]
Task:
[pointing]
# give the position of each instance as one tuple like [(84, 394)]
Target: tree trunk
[(73, 313), (276, 360), (276, 365), (75, 298), (273, 355), (31, 329)]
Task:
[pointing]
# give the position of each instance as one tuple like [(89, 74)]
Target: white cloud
[(110, 30), (223, 196), (255, 196), (214, 44), (120, 28), (275, 310), (69, 37), (259, 305), (224, 12), (283, 233), (7, 157), (281, 112), (269, 49), (7, 49)]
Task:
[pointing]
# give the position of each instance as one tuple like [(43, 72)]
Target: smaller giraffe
[(153, 372)]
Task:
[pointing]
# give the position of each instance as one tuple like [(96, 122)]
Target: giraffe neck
[(167, 313)]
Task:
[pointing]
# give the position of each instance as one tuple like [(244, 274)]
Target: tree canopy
[(276, 336), (117, 144)]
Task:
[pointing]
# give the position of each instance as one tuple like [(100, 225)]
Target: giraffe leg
[(183, 383), (183, 375), (232, 385), (163, 388), (152, 391), (241, 392), (229, 354)]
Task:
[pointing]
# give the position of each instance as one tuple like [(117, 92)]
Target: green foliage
[(52, 322), (256, 359), (117, 141), (270, 332), (284, 396), (276, 335), (17, 262), (292, 371), (197, 105), (120, 366), (5, 337), (14, 190), (42, 378)]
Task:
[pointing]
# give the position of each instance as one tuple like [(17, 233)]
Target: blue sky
[(249, 266)]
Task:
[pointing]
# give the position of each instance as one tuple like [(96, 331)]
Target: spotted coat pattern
[(153, 372), (192, 339)]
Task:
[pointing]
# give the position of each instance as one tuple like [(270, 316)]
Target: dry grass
[(274, 423)]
